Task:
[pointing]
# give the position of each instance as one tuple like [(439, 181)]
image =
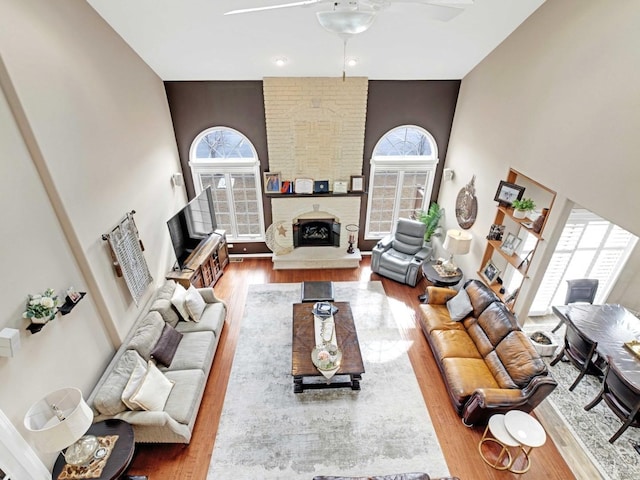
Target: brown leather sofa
[(488, 364), (399, 476)]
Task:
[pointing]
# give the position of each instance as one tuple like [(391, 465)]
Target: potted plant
[(521, 207), (431, 218), (41, 307)]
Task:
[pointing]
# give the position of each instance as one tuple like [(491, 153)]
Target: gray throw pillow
[(165, 349), (459, 306)]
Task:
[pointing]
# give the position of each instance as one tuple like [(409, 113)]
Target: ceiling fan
[(350, 17)]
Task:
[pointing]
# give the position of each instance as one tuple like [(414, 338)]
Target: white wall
[(86, 136), (559, 101)]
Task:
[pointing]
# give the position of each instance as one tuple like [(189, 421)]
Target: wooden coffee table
[(304, 342)]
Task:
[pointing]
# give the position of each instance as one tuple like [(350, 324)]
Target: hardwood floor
[(458, 442)]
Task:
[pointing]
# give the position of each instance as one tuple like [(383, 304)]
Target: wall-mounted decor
[(286, 186), (303, 185), (357, 183), (321, 186), (467, 205), (126, 252), (507, 193), (271, 182), (340, 186), (490, 272)]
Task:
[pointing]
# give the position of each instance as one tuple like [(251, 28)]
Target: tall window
[(402, 172), (226, 160), (589, 247)]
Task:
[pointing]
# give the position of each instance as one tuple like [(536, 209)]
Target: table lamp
[(60, 420), (456, 242)]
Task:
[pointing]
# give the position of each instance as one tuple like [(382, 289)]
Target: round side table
[(439, 281), (501, 437), (122, 452), (527, 431)]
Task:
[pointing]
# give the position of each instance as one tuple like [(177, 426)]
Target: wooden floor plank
[(458, 442)]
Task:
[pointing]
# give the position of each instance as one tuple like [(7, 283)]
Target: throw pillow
[(167, 345), (195, 304), (177, 299), (459, 306), (138, 374), (147, 334), (153, 391)]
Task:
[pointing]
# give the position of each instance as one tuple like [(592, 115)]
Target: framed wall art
[(271, 182), (340, 186), (357, 183), (303, 185), (490, 272), (510, 244), (507, 193)]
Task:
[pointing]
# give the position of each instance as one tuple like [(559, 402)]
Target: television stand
[(205, 265)]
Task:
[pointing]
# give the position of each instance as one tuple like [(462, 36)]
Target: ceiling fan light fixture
[(346, 23)]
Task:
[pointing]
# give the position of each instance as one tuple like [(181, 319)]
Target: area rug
[(593, 429), (268, 432)]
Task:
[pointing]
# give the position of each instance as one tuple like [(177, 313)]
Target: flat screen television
[(195, 222)]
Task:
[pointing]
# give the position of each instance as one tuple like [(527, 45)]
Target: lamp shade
[(346, 23), (457, 242), (58, 420)]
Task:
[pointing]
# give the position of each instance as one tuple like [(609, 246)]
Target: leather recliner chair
[(400, 255)]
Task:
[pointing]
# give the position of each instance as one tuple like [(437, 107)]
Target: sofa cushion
[(497, 322), (480, 295), (147, 334), (436, 317), (465, 375), (184, 397), (520, 358), (453, 343), (500, 373), (166, 291), (153, 391), (108, 399), (167, 345), (167, 310), (137, 376), (211, 321), (195, 351), (479, 337), (459, 306), (194, 303)]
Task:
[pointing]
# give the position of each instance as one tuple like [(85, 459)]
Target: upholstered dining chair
[(400, 255), (581, 352), (621, 397), (579, 290)]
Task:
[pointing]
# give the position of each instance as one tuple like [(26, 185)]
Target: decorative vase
[(543, 343), (519, 213), (39, 320)]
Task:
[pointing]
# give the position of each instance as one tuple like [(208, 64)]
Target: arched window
[(226, 160), (403, 165)]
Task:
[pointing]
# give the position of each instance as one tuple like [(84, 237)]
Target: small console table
[(206, 263)]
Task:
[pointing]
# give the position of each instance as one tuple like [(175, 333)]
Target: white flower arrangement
[(42, 307)]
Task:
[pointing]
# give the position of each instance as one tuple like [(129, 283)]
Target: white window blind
[(589, 247)]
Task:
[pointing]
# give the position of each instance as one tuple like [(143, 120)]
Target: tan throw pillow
[(195, 304), (177, 299), (138, 374), (153, 391)]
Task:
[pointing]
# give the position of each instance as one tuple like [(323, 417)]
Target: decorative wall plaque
[(467, 205)]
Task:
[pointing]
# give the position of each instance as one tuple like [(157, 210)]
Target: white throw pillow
[(137, 376), (459, 306), (194, 303), (153, 391), (177, 299)]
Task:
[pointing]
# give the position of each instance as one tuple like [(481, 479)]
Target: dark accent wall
[(196, 106), (429, 104)]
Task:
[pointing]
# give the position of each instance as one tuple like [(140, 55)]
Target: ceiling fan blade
[(273, 7), (443, 10)]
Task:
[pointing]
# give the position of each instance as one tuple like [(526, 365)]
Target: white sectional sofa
[(186, 376)]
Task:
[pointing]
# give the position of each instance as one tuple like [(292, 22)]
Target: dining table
[(611, 326)]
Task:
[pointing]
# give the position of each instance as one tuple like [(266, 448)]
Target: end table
[(439, 281)]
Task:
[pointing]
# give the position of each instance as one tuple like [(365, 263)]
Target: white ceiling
[(193, 40)]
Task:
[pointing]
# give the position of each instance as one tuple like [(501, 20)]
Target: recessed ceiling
[(193, 40)]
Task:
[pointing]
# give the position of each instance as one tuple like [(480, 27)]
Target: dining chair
[(622, 397), (579, 290), (581, 352)]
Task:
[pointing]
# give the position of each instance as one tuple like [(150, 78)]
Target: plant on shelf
[(521, 207), (431, 218), (41, 307)]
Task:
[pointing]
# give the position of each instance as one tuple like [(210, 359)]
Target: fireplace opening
[(316, 232)]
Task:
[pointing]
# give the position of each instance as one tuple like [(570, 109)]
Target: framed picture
[(303, 185), (286, 186), (510, 244), (490, 272), (507, 193), (357, 183), (495, 232), (340, 186), (321, 186), (271, 182)]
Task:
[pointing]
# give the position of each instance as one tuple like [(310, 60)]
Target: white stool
[(499, 436), (527, 431)]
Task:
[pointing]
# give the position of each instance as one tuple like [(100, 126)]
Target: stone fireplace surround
[(344, 209)]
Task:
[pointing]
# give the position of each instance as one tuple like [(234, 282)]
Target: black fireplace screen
[(317, 232)]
